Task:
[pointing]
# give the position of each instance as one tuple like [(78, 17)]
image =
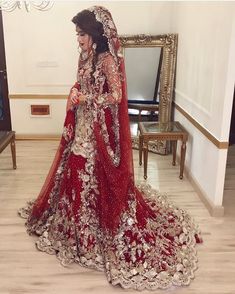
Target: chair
[(8, 137)]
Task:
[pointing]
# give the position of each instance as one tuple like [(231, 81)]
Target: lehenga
[(89, 210)]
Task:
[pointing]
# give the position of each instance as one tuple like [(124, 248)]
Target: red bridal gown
[(89, 210)]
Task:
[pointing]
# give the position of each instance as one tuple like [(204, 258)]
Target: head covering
[(110, 31)]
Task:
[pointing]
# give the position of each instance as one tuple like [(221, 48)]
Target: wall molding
[(187, 99), (208, 135), (39, 137), (38, 96)]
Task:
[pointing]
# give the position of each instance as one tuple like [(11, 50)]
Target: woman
[(89, 211)]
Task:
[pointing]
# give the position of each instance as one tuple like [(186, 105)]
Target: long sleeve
[(114, 93), (76, 87)]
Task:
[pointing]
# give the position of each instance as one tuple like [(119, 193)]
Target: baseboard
[(38, 137), (214, 210)]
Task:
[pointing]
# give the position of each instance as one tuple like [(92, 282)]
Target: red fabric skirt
[(143, 253)]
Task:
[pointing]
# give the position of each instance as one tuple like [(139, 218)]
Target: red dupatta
[(116, 182)]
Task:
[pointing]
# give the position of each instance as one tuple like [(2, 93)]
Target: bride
[(89, 210)]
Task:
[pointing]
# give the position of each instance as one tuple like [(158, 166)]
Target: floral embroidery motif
[(158, 255), (68, 132)]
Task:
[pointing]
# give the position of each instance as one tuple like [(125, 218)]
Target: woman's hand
[(82, 98), (77, 97)]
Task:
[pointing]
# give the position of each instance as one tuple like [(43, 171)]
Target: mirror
[(150, 62), (145, 61)]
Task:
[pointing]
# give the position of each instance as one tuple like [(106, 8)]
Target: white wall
[(25, 124), (204, 85), (205, 162), (41, 52)]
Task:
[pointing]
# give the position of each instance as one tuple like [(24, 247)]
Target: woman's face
[(84, 40)]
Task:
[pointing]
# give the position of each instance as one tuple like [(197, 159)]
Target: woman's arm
[(75, 97), (114, 94)]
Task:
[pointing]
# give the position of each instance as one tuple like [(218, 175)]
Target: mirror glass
[(141, 71)]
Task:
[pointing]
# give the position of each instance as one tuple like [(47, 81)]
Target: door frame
[(5, 123), (232, 124)]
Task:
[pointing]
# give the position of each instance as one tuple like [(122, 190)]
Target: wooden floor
[(23, 269)]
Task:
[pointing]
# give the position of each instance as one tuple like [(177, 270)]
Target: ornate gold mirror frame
[(168, 43)]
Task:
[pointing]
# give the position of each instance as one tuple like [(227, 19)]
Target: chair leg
[(174, 148), (145, 159), (182, 159), (140, 149), (13, 152)]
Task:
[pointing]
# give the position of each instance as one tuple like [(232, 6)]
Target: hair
[(87, 22)]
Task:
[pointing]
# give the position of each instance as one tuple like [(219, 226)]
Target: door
[(5, 115)]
